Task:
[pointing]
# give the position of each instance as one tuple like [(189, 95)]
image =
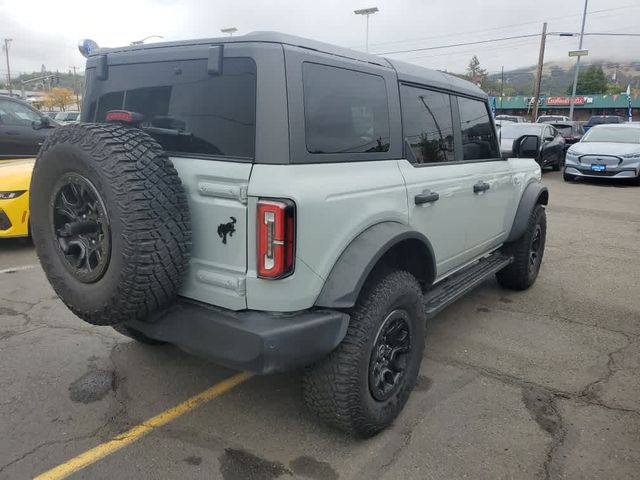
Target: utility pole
[(6, 51), (575, 75), (75, 87), (501, 85), (536, 91)]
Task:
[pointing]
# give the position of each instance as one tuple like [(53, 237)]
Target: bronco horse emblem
[(225, 229)]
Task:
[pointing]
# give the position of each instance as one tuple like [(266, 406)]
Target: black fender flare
[(535, 193), (343, 285)]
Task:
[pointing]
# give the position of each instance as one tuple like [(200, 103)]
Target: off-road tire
[(136, 335), (567, 177), (518, 275), (146, 206), (337, 389)]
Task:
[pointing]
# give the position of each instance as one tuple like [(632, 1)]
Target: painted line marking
[(17, 269), (91, 456)]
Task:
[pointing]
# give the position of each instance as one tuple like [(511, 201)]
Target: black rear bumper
[(259, 342)]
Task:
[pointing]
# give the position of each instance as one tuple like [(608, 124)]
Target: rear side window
[(184, 108), (428, 125), (478, 136), (345, 111)]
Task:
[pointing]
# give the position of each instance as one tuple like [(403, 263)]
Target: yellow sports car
[(15, 176)]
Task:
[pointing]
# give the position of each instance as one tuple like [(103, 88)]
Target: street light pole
[(230, 31), (575, 75), (142, 40), (366, 12), (6, 51)]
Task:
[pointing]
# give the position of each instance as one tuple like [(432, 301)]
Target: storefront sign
[(566, 101)]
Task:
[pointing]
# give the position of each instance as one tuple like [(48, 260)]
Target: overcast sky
[(47, 31)]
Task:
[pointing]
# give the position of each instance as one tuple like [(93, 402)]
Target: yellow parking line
[(130, 436)]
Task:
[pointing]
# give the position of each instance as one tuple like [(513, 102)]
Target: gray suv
[(270, 203)]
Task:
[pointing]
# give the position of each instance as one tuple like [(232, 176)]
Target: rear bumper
[(259, 342)]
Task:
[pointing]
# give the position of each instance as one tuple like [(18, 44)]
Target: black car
[(22, 128), (571, 132), (551, 151), (602, 119)]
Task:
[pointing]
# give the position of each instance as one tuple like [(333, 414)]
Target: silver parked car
[(611, 151)]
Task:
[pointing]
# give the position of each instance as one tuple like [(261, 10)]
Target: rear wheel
[(110, 222), (363, 385), (527, 253)]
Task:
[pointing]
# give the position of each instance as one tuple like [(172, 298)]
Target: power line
[(493, 40), (452, 45), (503, 27)]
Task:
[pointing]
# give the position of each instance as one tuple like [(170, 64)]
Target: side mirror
[(42, 122), (526, 146)]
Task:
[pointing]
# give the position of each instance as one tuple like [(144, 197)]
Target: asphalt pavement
[(524, 385)]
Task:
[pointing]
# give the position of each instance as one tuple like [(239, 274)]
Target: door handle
[(481, 187), (426, 197)]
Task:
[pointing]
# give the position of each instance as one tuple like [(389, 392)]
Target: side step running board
[(452, 288)]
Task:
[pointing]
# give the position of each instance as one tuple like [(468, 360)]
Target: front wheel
[(567, 177), (362, 386), (527, 253)]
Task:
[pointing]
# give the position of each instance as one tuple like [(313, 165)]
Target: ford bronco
[(271, 203)]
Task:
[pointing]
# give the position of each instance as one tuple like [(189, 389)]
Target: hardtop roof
[(406, 72)]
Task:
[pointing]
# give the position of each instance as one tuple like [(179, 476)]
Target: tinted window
[(428, 125), (345, 111), (478, 138), (13, 113), (184, 108)]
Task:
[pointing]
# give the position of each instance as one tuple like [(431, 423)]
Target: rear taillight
[(276, 238)]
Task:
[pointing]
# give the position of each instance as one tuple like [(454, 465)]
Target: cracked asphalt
[(542, 384)]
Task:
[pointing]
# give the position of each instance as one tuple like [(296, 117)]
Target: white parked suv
[(269, 203)]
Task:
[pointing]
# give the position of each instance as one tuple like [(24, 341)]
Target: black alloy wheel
[(534, 250), (388, 362), (81, 227)]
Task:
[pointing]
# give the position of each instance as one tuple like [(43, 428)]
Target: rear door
[(438, 187), (205, 118), (492, 188)]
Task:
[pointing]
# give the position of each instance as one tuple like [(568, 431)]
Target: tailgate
[(217, 192)]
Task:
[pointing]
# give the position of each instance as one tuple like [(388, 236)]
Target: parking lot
[(537, 384)]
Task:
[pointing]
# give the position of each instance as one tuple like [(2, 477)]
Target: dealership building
[(584, 107)]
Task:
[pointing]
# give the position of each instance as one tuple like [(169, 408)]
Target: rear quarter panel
[(334, 203)]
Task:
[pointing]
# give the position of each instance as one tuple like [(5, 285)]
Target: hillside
[(558, 76)]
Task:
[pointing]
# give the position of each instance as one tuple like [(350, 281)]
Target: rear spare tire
[(110, 222)]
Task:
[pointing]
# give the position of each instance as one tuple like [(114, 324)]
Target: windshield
[(567, 129), (510, 131), (613, 135)]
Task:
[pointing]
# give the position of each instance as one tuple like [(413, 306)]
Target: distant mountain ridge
[(558, 76)]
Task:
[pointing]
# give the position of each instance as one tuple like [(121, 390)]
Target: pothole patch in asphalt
[(92, 386)]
